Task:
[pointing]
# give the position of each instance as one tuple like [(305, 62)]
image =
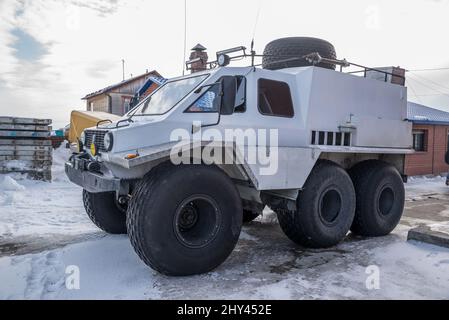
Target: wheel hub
[(197, 221), (330, 206), (386, 200), (188, 217)]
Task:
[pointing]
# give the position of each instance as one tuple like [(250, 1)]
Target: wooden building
[(116, 99)]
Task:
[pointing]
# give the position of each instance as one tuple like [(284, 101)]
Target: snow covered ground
[(44, 232), (423, 186), (34, 208)]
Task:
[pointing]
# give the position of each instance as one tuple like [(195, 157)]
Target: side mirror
[(229, 91)]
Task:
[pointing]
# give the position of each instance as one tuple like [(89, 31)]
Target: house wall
[(98, 103), (123, 95), (432, 160), (118, 103), (119, 97)]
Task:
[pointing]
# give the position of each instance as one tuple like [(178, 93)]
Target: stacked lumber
[(25, 147)]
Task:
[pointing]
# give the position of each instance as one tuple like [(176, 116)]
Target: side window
[(275, 98), (420, 140), (208, 102), (240, 98)]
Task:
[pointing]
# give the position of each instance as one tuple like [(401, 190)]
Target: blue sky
[(56, 51), (26, 47)]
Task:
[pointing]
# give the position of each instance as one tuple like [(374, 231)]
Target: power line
[(427, 86), (423, 70), (414, 93), (431, 81), (428, 95)]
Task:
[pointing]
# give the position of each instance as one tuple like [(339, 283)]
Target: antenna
[(257, 19), (253, 53), (123, 69), (185, 38)]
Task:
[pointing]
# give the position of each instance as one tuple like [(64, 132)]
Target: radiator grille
[(99, 138)]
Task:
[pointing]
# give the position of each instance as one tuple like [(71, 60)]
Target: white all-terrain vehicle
[(324, 149)]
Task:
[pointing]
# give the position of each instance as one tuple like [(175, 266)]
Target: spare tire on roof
[(277, 51)]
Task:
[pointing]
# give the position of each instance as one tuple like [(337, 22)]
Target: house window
[(447, 141), (420, 140), (275, 98)]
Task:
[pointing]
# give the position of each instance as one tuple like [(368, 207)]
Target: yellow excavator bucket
[(81, 120)]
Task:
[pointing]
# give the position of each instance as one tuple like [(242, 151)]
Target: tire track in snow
[(46, 278)]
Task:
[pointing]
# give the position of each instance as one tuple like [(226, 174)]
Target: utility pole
[(185, 38), (123, 69)]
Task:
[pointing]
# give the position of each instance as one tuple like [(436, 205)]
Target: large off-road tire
[(380, 198), (296, 47), (184, 220), (325, 208), (105, 212)]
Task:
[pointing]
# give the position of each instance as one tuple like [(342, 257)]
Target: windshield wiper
[(142, 110), (145, 107)]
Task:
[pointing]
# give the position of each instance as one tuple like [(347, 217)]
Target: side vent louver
[(329, 138)]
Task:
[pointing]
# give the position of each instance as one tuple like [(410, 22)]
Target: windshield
[(167, 96)]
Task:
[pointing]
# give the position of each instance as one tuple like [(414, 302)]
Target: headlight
[(82, 140), (108, 141), (223, 60)]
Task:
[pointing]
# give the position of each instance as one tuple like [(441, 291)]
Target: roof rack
[(314, 58)]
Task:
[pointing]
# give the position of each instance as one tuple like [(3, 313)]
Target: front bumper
[(94, 182)]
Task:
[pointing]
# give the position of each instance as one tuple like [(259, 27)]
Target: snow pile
[(9, 184), (17, 165), (60, 156), (440, 227)]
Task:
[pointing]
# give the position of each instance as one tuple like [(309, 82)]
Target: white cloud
[(86, 41), (7, 61)]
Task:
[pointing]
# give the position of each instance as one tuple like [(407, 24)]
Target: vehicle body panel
[(372, 112)]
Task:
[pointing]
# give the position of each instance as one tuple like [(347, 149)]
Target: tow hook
[(94, 166), (123, 200)]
